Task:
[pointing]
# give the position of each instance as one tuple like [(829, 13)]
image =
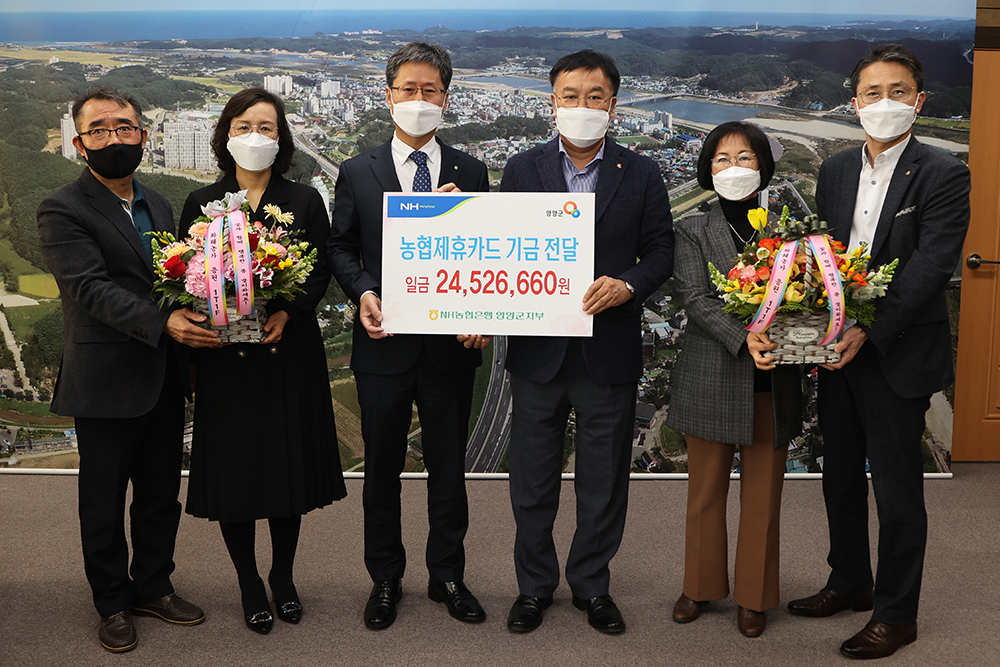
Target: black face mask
[(115, 160)]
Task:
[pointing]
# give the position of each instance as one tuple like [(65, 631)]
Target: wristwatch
[(628, 286)]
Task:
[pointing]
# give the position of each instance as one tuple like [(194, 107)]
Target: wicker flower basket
[(241, 329), (798, 336)]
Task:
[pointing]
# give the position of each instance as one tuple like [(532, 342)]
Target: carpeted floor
[(47, 617)]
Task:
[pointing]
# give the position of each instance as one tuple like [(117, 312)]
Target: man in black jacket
[(393, 372), (910, 202), (123, 377)]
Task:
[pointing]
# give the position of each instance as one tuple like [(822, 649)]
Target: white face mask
[(253, 152), (887, 119), (581, 126), (416, 117), (736, 183)]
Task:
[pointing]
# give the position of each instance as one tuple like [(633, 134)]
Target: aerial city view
[(681, 76)]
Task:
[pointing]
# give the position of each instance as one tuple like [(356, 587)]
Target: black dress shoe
[(380, 611), (462, 604), (526, 613), (602, 614), (117, 634), (172, 609), (290, 611), (260, 622), (827, 603), (878, 640)]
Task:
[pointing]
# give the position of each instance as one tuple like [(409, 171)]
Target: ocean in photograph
[(29, 28)]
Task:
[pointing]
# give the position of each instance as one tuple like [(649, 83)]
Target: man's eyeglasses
[(897, 94), (267, 129), (742, 160), (589, 101), (102, 135), (428, 92)]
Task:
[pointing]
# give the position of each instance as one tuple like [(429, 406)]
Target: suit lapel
[(549, 167), (613, 168), (723, 248), (109, 206), (383, 168), (902, 177), (451, 168), (840, 228)]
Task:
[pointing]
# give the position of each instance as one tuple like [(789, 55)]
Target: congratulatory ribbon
[(222, 212), (827, 262)]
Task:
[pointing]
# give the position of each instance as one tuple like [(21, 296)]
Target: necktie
[(422, 180)]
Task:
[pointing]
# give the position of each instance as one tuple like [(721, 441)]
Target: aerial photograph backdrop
[(782, 64)]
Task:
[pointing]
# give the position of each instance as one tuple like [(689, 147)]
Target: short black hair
[(104, 93), (587, 59), (238, 104), (420, 52), (890, 53), (758, 141)]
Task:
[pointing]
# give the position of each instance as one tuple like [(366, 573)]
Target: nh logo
[(411, 206)]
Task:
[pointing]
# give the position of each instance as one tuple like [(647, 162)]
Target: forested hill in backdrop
[(730, 60)]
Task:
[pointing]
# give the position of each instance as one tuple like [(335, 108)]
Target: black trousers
[(444, 402), (860, 415), (145, 450), (605, 416)]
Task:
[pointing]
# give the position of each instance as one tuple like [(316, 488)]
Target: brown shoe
[(116, 633), (828, 603), (686, 609), (879, 640), (751, 623), (172, 609)]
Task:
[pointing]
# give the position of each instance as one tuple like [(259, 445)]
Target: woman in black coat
[(265, 443)]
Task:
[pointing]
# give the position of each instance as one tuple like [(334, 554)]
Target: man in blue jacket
[(594, 376)]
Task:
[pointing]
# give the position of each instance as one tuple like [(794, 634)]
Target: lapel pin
[(907, 173), (456, 168), (619, 165)]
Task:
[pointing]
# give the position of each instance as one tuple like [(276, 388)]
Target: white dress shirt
[(406, 168), (872, 187)]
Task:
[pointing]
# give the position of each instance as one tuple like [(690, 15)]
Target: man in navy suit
[(122, 376), (392, 372), (911, 202), (595, 376)]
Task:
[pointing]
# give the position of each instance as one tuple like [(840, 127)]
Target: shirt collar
[(890, 156), (401, 151), (599, 156)]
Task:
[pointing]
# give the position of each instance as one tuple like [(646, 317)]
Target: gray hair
[(105, 93), (420, 52)]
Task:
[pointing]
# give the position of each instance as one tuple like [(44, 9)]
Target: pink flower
[(195, 282), (748, 275), (198, 229)]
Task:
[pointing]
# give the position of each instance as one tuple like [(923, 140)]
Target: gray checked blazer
[(711, 394)]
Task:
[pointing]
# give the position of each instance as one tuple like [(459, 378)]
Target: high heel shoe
[(260, 622), (290, 611)]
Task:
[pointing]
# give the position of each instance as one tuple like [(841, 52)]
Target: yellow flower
[(795, 293), (758, 218), (275, 214)]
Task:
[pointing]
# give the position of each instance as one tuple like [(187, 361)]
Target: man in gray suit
[(595, 376), (911, 202), (122, 376)]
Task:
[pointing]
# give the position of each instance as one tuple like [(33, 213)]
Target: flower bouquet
[(228, 269), (801, 286)]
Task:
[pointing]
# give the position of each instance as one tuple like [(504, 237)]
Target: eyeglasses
[(428, 92), (241, 128), (742, 160), (897, 94), (102, 135), (589, 101)]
